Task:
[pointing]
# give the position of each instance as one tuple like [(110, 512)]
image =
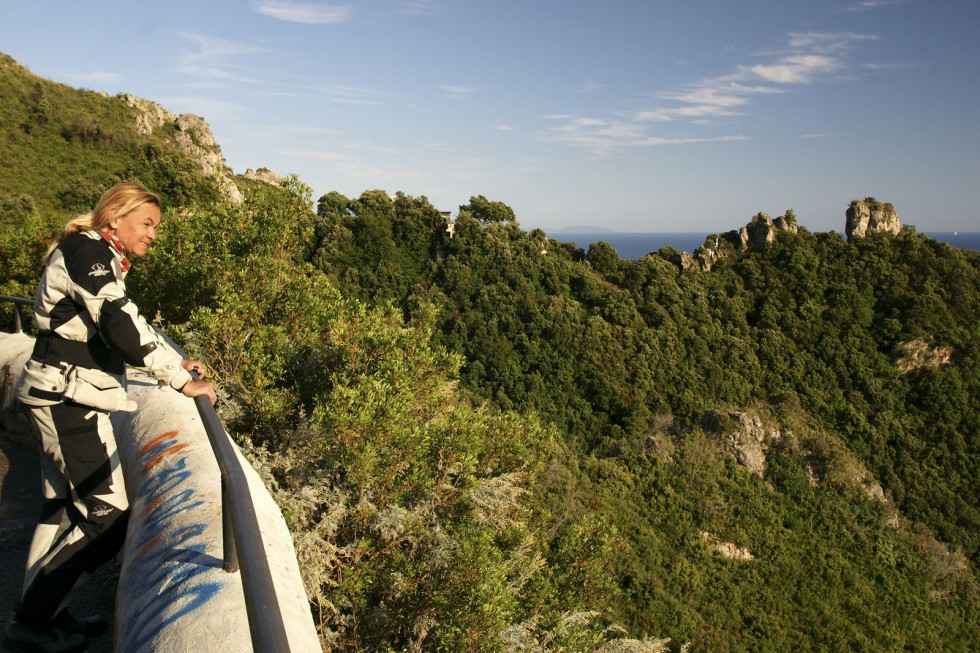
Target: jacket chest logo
[(98, 270)]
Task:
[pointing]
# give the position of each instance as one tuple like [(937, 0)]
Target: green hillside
[(493, 440), (63, 146)]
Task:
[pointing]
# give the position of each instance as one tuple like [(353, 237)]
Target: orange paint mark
[(155, 460), (155, 441), (151, 505), (148, 546)]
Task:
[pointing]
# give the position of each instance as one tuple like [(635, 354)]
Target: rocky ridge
[(863, 218), (760, 231), (192, 135)]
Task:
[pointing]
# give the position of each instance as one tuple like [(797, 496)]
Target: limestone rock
[(869, 216), (727, 549), (192, 135), (743, 435), (264, 175), (758, 233), (920, 353), (787, 223), (150, 116)]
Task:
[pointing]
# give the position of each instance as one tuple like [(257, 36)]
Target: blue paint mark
[(170, 580), (149, 626)]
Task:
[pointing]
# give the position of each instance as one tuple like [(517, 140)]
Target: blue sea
[(631, 245)]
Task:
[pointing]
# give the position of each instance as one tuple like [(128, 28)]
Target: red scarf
[(118, 246)]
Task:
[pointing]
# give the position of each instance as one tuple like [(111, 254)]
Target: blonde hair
[(114, 203)]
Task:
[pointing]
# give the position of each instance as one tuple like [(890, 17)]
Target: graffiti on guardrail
[(173, 574)]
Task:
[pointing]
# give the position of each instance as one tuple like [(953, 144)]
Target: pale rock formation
[(727, 549), (869, 216), (758, 233), (193, 136), (150, 116), (742, 435), (786, 223), (265, 175), (919, 353)]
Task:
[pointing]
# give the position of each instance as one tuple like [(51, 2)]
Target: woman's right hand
[(197, 388)]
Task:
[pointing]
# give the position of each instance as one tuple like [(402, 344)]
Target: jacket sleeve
[(96, 284)]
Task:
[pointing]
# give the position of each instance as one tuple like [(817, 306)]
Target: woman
[(88, 330)]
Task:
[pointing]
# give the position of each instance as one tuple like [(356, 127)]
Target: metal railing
[(241, 536), (17, 302)]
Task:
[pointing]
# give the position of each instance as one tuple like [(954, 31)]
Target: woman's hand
[(195, 387), (198, 388), (192, 367)]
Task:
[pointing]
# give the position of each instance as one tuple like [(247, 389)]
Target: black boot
[(87, 626), (41, 640)]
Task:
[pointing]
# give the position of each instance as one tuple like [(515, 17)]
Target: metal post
[(17, 302), (229, 547)]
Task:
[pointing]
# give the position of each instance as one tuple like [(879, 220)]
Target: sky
[(632, 115)]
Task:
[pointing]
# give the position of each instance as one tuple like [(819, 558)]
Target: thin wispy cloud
[(871, 5), (589, 87), (216, 60), (878, 67), (304, 12), (827, 42), (605, 137), (354, 95), (806, 58), (419, 7), (459, 91), (308, 130), (795, 69)]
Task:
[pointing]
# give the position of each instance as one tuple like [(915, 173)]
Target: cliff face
[(191, 134), (868, 216), (760, 231)]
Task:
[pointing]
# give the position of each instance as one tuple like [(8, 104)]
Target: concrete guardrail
[(173, 594)]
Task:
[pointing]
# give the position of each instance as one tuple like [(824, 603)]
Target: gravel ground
[(20, 504)]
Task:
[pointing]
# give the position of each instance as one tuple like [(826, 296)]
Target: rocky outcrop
[(920, 353), (743, 436), (758, 233), (192, 135), (150, 116), (869, 216), (727, 550), (264, 175), (787, 223)]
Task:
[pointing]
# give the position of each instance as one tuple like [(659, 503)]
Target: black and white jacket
[(88, 330)]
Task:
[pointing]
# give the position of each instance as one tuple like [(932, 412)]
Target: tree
[(334, 205), (603, 257), (488, 212)]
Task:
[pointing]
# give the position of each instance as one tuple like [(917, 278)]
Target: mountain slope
[(493, 439)]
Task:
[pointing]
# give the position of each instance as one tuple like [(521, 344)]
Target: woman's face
[(137, 229)]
